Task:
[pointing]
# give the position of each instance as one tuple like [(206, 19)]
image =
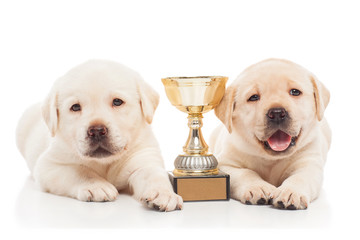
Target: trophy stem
[(195, 143), (196, 160)]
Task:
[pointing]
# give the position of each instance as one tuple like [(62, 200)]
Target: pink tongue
[(279, 141)]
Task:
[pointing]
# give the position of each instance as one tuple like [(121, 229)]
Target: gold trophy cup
[(196, 176)]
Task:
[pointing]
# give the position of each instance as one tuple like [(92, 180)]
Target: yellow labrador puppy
[(275, 138), (92, 137)]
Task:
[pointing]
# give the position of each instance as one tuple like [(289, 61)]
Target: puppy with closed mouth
[(275, 139), (91, 138)]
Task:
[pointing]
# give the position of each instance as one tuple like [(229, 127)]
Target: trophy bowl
[(195, 96)]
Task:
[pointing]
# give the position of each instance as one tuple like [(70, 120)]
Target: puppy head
[(99, 108), (272, 105)]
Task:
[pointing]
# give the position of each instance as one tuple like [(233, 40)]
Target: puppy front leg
[(300, 188), (149, 183), (72, 180), (247, 186), (151, 186)]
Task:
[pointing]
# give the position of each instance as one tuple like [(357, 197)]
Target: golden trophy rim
[(187, 77), (178, 80)]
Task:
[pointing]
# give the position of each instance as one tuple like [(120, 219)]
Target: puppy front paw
[(257, 193), (162, 200), (287, 198), (99, 191)]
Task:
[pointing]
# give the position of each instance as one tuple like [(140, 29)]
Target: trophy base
[(202, 187)]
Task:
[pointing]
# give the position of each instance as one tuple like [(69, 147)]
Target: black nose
[(277, 115), (97, 131)]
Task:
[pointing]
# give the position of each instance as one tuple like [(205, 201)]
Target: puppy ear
[(149, 100), (224, 110), (50, 112), (321, 95)]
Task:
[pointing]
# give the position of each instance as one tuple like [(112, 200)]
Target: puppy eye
[(76, 107), (254, 98), (117, 102), (295, 92)]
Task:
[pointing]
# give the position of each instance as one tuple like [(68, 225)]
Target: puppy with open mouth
[(92, 137), (275, 139)]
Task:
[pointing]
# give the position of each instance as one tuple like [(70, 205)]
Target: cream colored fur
[(289, 179), (54, 141)]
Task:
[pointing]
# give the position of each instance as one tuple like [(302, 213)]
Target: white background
[(41, 40)]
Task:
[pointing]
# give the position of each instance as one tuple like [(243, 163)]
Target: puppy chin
[(101, 154)]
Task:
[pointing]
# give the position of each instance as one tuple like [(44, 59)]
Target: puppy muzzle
[(278, 136), (98, 142)]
